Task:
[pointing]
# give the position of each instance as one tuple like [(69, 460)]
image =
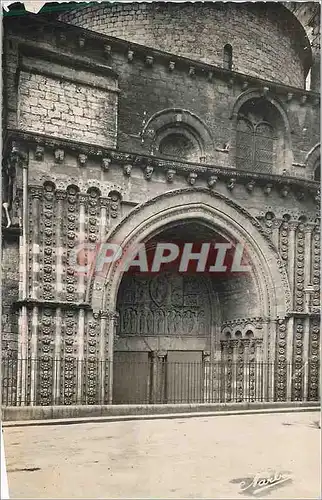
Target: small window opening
[(228, 56)]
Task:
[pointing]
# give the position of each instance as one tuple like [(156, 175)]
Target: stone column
[(111, 332), (104, 203), (289, 356), (158, 378), (291, 259), (308, 288), (104, 371), (81, 277), (275, 232), (57, 356), (33, 355), (80, 354), (36, 195), (60, 197), (209, 391)]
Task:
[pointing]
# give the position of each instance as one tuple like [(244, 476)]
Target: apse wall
[(267, 40)]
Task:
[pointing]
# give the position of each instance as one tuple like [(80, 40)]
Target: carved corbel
[(230, 82), (130, 55), (81, 41), (149, 61), (285, 191), (172, 65), (106, 163), (39, 153), (289, 97), (107, 51), (192, 71), (300, 195), (170, 175), (82, 159), (265, 91), (61, 38), (210, 76), (231, 183), (127, 169), (244, 85), (192, 177), (250, 186), (212, 181), (59, 155), (303, 99), (148, 172), (268, 189)]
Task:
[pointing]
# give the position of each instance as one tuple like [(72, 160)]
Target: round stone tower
[(252, 38)]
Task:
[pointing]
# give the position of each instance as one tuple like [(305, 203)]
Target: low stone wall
[(14, 414)]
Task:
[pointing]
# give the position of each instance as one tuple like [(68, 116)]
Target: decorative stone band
[(127, 161)]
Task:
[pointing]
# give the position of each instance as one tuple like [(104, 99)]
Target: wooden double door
[(158, 377)]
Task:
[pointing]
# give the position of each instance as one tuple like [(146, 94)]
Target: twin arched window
[(257, 139)]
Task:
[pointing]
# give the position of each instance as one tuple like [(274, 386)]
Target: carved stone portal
[(165, 304)]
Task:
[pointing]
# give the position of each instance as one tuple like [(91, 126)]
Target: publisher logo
[(263, 483)]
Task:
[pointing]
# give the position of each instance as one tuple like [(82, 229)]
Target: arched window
[(245, 143), (228, 56), (177, 146), (263, 147), (257, 138), (179, 142)]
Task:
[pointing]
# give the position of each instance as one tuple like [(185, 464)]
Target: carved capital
[(303, 99), (59, 155), (36, 192), (60, 195), (39, 153), (206, 356), (170, 175), (82, 159), (104, 202), (172, 65), (161, 354), (130, 55), (83, 198), (289, 97), (192, 177)]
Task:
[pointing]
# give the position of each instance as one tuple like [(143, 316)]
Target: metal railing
[(68, 381)]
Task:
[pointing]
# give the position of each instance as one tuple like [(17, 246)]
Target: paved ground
[(204, 457)]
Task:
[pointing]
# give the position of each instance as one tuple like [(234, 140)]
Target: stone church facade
[(140, 123)]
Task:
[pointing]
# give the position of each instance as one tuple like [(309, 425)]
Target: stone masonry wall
[(66, 109), (264, 38)]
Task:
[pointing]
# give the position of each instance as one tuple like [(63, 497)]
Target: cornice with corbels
[(192, 172), (83, 43)]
